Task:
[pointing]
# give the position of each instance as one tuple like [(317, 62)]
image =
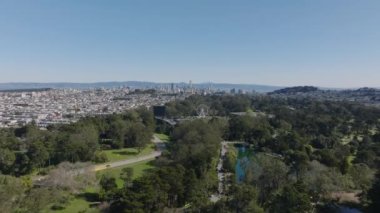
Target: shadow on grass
[(125, 152), (90, 196)]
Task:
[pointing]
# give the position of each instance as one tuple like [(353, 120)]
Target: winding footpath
[(160, 146)]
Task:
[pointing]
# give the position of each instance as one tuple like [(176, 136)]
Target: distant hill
[(369, 96), (136, 85), (368, 90), (295, 90), (27, 90)]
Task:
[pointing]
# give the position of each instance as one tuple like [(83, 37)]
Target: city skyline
[(321, 43)]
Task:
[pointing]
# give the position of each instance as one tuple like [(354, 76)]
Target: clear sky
[(332, 43)]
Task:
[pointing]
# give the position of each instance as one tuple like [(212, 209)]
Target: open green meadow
[(138, 170), (163, 137)]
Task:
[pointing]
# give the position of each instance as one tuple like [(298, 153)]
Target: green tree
[(229, 161), (7, 159), (108, 183), (79, 146), (100, 157), (22, 164), (268, 173), (116, 132), (38, 154), (127, 175), (362, 176), (373, 195), (322, 181), (138, 136), (38, 199), (244, 199), (147, 118), (108, 187), (11, 193), (299, 161), (293, 199), (195, 144)]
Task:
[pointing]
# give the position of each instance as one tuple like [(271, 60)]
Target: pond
[(239, 171), (242, 160)]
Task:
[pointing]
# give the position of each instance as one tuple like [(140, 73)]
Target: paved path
[(127, 162), (160, 147), (221, 175)]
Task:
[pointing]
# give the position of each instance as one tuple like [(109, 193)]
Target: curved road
[(160, 147)]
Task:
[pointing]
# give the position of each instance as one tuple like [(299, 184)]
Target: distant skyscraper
[(191, 86)]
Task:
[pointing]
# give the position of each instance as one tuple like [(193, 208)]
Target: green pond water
[(244, 154)]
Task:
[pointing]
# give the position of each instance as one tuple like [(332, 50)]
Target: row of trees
[(24, 149)]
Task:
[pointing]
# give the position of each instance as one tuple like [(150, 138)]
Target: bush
[(230, 159), (61, 203), (100, 157), (57, 207)]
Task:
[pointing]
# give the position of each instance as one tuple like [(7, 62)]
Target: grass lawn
[(163, 137), (348, 138), (80, 204), (127, 153), (76, 205), (351, 158), (138, 170), (373, 131)]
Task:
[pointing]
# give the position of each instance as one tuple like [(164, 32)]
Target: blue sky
[(333, 43)]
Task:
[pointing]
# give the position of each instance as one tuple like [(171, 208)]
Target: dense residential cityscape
[(46, 106), (53, 106)]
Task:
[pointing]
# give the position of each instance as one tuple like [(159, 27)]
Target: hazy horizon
[(196, 83), (322, 43)]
